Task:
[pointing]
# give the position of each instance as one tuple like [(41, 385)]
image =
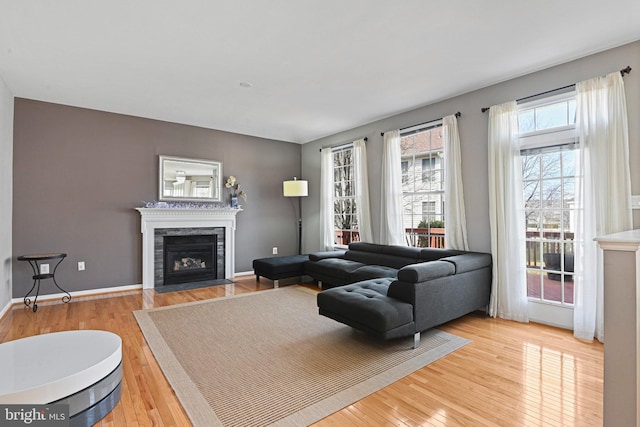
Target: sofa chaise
[(400, 300)]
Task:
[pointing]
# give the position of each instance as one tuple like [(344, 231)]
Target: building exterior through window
[(422, 151)]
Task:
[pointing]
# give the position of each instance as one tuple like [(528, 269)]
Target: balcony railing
[(434, 238), (425, 237), (344, 237), (551, 245), (417, 237)]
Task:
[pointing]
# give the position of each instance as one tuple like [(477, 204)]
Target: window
[(549, 115), (428, 210), (404, 165), (345, 220), (429, 172), (549, 154), (422, 151), (203, 188)]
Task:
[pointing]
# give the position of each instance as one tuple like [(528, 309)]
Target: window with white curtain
[(549, 151), (345, 220), (422, 151)]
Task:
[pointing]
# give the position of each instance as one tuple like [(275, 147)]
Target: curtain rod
[(344, 143), (626, 70), (458, 114)]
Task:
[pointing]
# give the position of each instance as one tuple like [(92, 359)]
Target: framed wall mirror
[(190, 179)]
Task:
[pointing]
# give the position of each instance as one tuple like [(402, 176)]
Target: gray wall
[(79, 174), (473, 128), (6, 180)]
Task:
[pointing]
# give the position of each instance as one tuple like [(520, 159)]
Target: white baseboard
[(243, 273), (5, 309), (91, 292)]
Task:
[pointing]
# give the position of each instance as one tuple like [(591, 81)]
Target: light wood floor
[(512, 374)]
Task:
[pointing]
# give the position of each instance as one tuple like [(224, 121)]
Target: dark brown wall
[(78, 174)]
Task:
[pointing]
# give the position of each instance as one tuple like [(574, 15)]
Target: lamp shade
[(295, 188)]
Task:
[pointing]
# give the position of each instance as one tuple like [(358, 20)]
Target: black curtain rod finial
[(339, 145), (626, 70), (458, 114)]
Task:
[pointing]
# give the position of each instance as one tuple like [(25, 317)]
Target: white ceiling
[(316, 67)]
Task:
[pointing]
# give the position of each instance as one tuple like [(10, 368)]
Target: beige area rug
[(269, 358)]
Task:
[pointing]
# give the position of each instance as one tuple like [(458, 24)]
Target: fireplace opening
[(189, 258)]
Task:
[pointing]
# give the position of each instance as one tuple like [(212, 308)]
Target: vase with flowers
[(235, 191)]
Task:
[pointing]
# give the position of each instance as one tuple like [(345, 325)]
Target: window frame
[(545, 102), (552, 139), (432, 179), (353, 234)]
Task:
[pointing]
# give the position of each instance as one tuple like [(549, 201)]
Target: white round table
[(82, 369)]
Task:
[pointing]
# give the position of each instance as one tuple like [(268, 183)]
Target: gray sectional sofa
[(393, 291), (364, 261)]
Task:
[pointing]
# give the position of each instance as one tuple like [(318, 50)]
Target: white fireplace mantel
[(153, 218)]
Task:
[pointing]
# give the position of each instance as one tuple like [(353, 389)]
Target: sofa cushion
[(395, 250), (426, 271), (402, 251), (336, 267), (367, 304), (372, 272), (378, 259), (317, 256), (469, 261), (366, 247), (433, 254), (384, 255)]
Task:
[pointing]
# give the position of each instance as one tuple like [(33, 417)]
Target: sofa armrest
[(445, 298), (317, 256), (425, 271), (469, 261)]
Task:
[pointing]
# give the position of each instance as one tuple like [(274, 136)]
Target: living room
[(72, 176)]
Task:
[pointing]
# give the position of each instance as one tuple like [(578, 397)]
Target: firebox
[(189, 258)]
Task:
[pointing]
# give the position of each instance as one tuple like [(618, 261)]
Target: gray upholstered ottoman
[(281, 267)]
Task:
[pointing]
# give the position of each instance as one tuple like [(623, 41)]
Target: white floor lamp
[(296, 188)]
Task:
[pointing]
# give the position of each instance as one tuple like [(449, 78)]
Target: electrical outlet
[(44, 268), (275, 250), (80, 265)]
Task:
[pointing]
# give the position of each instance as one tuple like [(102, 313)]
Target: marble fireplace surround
[(179, 218)]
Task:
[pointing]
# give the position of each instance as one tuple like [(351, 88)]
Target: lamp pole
[(299, 227), (296, 188)]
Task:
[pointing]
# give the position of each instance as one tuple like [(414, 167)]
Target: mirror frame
[(216, 168)]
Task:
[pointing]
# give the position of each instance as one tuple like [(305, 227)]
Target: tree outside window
[(344, 204), (549, 185)]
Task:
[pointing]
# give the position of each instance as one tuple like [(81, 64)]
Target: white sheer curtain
[(326, 198), (508, 289), (391, 228), (601, 120), (454, 214), (362, 190)]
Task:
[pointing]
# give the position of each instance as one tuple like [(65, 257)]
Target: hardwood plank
[(511, 374)]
